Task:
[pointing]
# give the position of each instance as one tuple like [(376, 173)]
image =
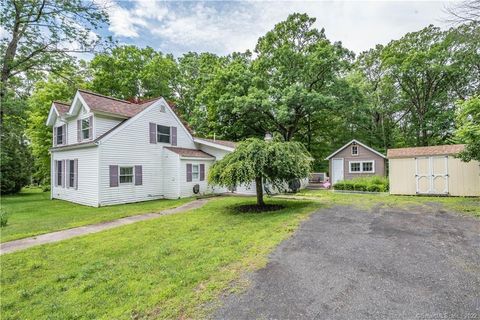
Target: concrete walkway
[(16, 245)]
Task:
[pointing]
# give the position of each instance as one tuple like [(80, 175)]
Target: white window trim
[(351, 150), (198, 172), (361, 166), (91, 126), (169, 133), (133, 175), (64, 136)]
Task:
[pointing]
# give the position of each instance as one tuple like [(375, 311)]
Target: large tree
[(43, 34), (420, 64), (258, 161), (129, 72), (468, 128)]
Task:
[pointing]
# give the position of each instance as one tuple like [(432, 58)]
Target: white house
[(109, 151)]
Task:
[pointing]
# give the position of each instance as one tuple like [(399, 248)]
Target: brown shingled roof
[(101, 103), (184, 152), (425, 151), (225, 143), (61, 107)]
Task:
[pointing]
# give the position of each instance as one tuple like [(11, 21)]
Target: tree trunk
[(259, 187)]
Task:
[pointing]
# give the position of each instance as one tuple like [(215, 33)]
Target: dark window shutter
[(79, 130), (153, 132), (54, 136), (202, 172), (55, 172), (189, 172), (173, 133), (138, 176), (64, 173), (75, 164), (64, 141), (113, 176), (90, 129), (67, 173)]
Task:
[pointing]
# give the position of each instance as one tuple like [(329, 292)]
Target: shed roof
[(225, 143), (190, 153), (425, 151)]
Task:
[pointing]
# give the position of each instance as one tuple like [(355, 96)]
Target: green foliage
[(39, 104), (3, 218), (15, 156), (370, 184), (261, 161), (468, 128), (129, 72)]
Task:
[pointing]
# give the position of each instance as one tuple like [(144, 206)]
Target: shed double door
[(431, 175)]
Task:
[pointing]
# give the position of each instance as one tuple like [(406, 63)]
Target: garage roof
[(425, 151)]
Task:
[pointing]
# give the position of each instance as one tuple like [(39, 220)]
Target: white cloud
[(223, 27)]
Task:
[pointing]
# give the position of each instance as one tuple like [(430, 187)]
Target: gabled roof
[(100, 103), (357, 142), (442, 150), (61, 107), (190, 153), (223, 144)]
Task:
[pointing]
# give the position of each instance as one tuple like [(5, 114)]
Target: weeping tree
[(259, 161)]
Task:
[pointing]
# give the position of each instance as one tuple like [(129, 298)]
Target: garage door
[(432, 175)]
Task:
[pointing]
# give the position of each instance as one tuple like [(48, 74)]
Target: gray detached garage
[(432, 171)]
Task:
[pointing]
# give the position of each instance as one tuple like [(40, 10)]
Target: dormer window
[(86, 128), (354, 150), (59, 134)]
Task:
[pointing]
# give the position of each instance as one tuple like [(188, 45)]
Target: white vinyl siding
[(186, 188), (129, 145), (87, 192), (104, 124)]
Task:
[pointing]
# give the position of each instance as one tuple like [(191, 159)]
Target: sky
[(223, 27)]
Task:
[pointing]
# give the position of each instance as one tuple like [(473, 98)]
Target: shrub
[(3, 218), (370, 184)]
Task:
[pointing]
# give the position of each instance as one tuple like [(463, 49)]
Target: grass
[(168, 268), (464, 205), (31, 212)]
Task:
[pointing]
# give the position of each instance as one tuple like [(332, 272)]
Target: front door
[(432, 175), (337, 170)]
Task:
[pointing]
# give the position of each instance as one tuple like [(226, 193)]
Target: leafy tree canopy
[(129, 72), (468, 131), (272, 162)]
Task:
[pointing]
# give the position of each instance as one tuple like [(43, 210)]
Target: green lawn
[(169, 268), (470, 206), (31, 212)]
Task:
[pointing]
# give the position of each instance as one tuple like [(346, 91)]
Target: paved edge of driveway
[(20, 244)]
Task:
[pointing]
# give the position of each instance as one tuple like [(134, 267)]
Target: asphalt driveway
[(346, 263)]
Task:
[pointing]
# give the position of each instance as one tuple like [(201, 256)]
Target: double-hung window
[(59, 134), (195, 172), (86, 128), (126, 174), (362, 166), (163, 134)]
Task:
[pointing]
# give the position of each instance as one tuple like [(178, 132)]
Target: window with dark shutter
[(163, 134)]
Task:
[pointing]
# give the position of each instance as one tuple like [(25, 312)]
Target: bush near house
[(369, 184)]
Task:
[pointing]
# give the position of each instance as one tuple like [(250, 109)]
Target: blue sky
[(224, 27)]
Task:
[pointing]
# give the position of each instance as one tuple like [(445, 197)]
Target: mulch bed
[(253, 208)]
